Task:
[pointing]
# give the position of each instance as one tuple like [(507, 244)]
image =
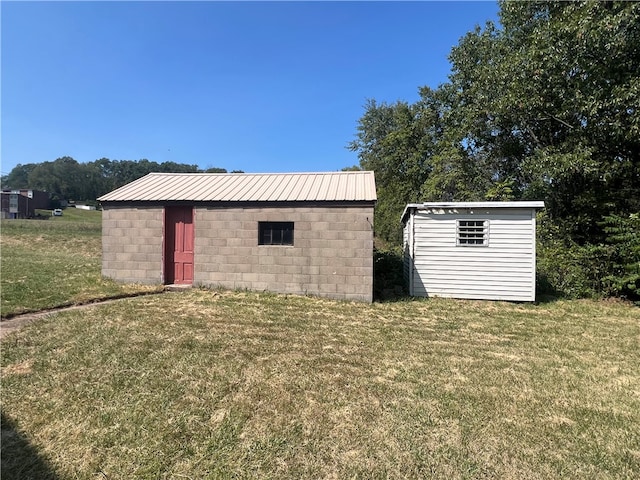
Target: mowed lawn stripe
[(214, 384), (50, 263)]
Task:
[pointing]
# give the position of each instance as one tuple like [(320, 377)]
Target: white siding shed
[(474, 250)]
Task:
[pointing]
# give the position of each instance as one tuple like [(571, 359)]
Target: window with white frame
[(472, 232)]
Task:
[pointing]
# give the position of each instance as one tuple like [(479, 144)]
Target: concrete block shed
[(474, 250), (300, 233)]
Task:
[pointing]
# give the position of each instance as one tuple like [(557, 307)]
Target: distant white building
[(475, 250)]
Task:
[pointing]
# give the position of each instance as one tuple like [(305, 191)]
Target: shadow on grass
[(20, 459), (546, 298)]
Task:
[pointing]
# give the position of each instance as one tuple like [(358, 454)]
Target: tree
[(544, 106), (395, 141), (18, 177), (67, 179), (623, 233), (551, 100), (61, 178)]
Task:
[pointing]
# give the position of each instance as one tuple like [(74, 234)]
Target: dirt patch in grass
[(21, 368)]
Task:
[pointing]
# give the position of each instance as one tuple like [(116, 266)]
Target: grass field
[(214, 384), (74, 215), (53, 262), (209, 384)]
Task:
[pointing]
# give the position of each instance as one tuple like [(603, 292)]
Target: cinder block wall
[(332, 255), (132, 244)]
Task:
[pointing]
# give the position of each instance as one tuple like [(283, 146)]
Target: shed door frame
[(178, 245)]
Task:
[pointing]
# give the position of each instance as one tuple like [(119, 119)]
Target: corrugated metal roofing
[(248, 187)]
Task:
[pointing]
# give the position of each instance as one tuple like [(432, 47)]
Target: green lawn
[(208, 384), (53, 262), (76, 215), (213, 384)]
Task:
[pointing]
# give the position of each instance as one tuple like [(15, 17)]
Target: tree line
[(542, 107), (67, 179)]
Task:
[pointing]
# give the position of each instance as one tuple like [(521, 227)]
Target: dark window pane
[(287, 236), (275, 233)]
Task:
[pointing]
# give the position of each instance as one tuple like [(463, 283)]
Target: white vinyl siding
[(503, 268)]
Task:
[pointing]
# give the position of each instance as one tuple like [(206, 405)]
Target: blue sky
[(253, 86)]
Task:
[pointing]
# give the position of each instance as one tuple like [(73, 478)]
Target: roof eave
[(510, 204), (243, 203)]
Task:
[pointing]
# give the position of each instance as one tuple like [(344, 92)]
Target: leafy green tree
[(395, 141), (115, 173), (18, 177), (61, 177), (623, 234), (67, 179), (173, 167), (544, 106), (551, 101)]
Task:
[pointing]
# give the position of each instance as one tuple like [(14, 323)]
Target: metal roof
[(454, 205), (248, 187)]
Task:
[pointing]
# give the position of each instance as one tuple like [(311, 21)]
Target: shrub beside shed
[(301, 233), (474, 250)]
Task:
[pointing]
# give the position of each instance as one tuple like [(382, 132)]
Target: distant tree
[(105, 170), (173, 167), (18, 177), (115, 173), (61, 177), (67, 179)]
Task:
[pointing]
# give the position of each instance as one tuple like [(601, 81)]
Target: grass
[(209, 384), (53, 262), (74, 215)]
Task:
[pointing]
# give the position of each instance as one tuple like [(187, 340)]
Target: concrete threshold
[(177, 287)]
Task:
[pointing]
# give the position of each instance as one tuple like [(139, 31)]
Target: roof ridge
[(350, 172)]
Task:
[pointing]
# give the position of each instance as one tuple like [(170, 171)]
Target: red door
[(178, 235)]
